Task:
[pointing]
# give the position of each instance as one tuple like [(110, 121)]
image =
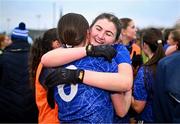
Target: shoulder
[(122, 55), (141, 70), (145, 71), (171, 59), (120, 47)]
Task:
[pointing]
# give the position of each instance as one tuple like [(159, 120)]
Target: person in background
[(17, 102), (172, 42), (166, 33), (166, 98), (143, 93), (4, 42), (128, 38), (40, 46)]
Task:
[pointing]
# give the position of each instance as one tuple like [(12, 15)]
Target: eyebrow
[(106, 30), (98, 26)]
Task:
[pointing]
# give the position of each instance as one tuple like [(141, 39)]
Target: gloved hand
[(106, 51), (64, 76)]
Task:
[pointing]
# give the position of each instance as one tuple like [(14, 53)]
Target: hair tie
[(159, 41), (68, 46)]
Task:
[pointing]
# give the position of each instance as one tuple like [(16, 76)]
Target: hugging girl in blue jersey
[(104, 30)]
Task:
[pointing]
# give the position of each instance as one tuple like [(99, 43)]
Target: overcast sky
[(43, 14)]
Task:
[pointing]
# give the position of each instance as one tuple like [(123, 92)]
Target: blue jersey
[(143, 91), (122, 56), (81, 103)]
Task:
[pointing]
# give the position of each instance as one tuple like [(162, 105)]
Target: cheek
[(144, 51), (170, 42), (91, 39), (109, 40), (133, 33), (93, 33), (7, 42)]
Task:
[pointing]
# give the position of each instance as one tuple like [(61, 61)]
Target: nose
[(101, 35), (136, 29)]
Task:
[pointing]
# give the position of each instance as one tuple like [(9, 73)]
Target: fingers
[(51, 79), (110, 54)]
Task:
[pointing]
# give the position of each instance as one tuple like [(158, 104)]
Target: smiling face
[(103, 32)]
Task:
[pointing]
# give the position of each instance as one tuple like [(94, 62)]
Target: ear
[(56, 44), (88, 36), (120, 38), (123, 31)]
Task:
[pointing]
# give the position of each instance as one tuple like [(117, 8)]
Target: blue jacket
[(167, 89)]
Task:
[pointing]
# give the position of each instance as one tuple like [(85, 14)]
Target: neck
[(125, 40)]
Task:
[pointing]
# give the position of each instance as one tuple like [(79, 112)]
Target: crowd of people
[(81, 73)]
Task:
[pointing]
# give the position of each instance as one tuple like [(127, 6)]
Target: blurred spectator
[(166, 33), (167, 87), (17, 103), (4, 42), (40, 46), (172, 42), (143, 93), (128, 37)]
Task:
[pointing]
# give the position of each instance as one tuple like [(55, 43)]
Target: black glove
[(106, 51), (64, 76)]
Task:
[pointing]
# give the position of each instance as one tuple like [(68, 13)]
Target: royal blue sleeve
[(123, 55)]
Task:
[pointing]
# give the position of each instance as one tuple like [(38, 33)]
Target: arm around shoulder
[(61, 56), (121, 81)]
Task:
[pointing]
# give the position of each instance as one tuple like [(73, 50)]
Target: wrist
[(89, 49), (81, 75)]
